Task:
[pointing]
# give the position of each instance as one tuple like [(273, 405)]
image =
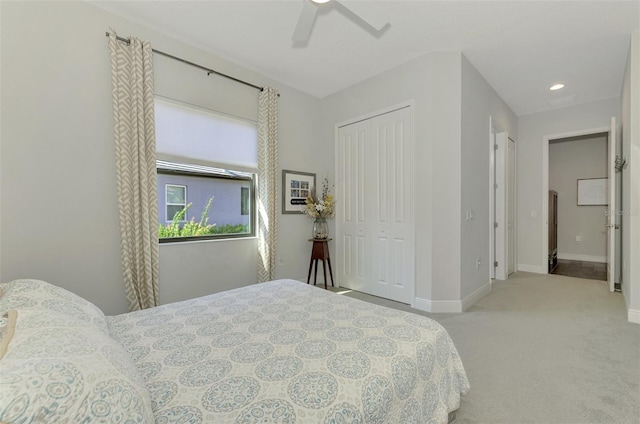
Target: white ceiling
[(520, 47)]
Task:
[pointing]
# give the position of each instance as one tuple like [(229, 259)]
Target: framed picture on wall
[(593, 192), (296, 186)]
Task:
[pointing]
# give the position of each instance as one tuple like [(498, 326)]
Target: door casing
[(543, 267), (505, 206)]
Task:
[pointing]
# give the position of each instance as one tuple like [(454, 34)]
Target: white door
[(612, 224), (391, 189), (511, 206), (375, 232), (492, 198), (505, 207), (352, 236), (501, 194)]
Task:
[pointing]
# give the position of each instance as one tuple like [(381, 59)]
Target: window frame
[(243, 203), (166, 202), (252, 204)]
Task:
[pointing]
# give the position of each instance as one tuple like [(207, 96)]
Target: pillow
[(7, 329), (65, 371), (30, 294)]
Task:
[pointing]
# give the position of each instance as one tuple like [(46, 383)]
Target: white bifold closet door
[(374, 222)]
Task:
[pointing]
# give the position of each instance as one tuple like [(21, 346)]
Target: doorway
[(580, 232), (607, 226)]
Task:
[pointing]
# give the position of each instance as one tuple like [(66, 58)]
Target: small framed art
[(296, 186)]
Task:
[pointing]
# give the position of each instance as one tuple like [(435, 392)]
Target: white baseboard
[(438, 306), (422, 304), (532, 268), (579, 257), (476, 295), (633, 315)]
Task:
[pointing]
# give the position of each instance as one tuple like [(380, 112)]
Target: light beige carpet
[(545, 349)]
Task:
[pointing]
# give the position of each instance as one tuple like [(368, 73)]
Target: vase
[(320, 228)]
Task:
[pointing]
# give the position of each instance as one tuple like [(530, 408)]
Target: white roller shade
[(197, 135)]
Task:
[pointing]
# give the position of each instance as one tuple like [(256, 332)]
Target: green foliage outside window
[(178, 228)]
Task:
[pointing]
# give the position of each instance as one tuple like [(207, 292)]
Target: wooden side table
[(320, 251)]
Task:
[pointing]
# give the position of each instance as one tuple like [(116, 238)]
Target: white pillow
[(30, 294), (65, 371)]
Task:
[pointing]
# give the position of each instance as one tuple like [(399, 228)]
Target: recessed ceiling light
[(320, 1), (556, 87)]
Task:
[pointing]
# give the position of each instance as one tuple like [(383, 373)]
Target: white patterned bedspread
[(285, 352)]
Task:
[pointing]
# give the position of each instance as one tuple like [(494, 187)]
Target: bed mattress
[(286, 352)]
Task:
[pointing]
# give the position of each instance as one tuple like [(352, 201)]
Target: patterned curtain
[(267, 183), (135, 145)]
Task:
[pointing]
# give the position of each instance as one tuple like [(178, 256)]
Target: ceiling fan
[(362, 9)]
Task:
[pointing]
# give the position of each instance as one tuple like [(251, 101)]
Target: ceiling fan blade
[(305, 22), (367, 12)]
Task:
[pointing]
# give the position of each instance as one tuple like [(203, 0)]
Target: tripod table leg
[(309, 275), (315, 273), (324, 267)]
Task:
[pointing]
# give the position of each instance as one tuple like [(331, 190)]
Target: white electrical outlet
[(534, 213), (578, 238)]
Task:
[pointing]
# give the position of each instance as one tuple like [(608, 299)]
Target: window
[(215, 156), (175, 201)]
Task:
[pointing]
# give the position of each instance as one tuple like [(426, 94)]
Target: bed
[(276, 352)]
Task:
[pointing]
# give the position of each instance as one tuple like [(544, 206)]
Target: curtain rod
[(209, 71)]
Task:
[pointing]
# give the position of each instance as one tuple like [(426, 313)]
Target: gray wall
[(630, 134), (570, 160), (57, 149), (531, 132), (479, 102), (453, 103), (433, 83)]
